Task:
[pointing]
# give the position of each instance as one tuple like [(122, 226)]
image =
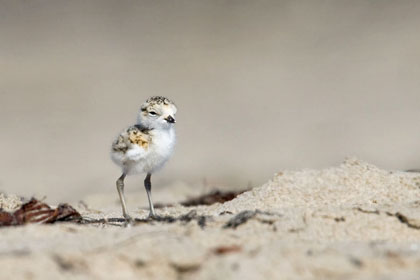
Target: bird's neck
[(142, 127), (164, 132)]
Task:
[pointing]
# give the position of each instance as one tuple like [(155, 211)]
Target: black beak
[(170, 119)]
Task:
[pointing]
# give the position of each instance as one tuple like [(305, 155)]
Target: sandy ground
[(354, 221)]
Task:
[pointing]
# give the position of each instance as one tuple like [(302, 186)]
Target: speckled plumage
[(132, 135), (159, 100), (146, 146)]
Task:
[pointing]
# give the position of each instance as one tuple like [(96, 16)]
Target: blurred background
[(260, 86)]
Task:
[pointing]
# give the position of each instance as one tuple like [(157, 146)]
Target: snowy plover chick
[(145, 146)]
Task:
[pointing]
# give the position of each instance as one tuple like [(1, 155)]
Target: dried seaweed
[(35, 211), (213, 197)]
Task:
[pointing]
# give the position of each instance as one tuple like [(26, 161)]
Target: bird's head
[(157, 112)]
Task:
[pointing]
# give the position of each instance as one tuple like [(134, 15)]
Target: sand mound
[(352, 184)]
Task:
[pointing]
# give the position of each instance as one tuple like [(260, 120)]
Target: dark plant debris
[(240, 219), (246, 215), (415, 170), (405, 220), (356, 262), (185, 219), (376, 212), (213, 197), (35, 211), (223, 250), (185, 268), (66, 264), (225, 213)]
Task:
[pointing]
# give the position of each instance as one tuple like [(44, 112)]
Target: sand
[(353, 221)]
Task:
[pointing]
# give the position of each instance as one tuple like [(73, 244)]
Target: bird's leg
[(148, 186), (120, 189)]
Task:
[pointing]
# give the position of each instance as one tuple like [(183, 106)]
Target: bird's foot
[(128, 219), (152, 216)]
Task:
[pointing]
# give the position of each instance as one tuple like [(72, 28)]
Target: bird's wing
[(132, 144)]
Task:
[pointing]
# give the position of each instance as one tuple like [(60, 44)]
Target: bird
[(145, 147)]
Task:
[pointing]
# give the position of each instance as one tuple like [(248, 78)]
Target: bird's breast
[(160, 149)]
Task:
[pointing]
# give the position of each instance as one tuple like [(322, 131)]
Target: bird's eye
[(152, 113)]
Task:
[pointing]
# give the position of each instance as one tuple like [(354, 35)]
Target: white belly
[(157, 154)]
